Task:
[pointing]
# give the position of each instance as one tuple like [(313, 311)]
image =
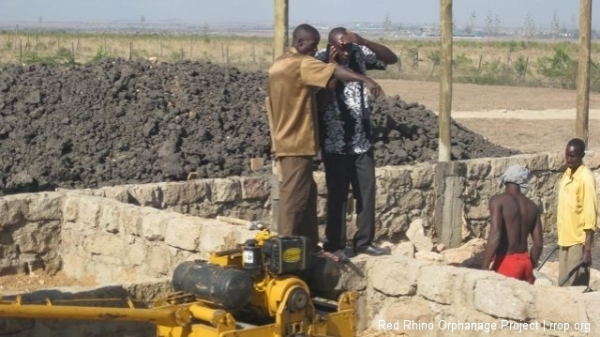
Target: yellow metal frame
[(183, 315)]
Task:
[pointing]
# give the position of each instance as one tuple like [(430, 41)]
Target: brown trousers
[(569, 258), (298, 199)]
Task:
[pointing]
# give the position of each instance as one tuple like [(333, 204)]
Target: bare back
[(518, 217)]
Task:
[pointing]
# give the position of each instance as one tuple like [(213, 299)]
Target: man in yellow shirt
[(576, 216), (293, 79)]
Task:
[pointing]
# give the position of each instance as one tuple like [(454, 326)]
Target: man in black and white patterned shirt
[(346, 141)]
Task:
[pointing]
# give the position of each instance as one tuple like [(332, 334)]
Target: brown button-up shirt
[(293, 79)]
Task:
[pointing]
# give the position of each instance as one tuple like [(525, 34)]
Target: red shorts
[(517, 266)]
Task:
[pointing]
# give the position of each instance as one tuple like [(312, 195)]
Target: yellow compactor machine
[(269, 286)]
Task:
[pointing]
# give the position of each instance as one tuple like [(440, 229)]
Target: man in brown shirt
[(293, 80)]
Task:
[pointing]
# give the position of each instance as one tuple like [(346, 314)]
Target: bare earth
[(525, 119)]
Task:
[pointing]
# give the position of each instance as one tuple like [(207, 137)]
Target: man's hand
[(332, 56), (374, 87), (352, 37)]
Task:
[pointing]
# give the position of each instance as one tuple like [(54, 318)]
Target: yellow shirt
[(577, 206), (293, 79)]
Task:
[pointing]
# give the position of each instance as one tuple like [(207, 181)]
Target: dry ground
[(525, 119)]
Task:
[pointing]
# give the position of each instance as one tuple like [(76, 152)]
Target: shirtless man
[(513, 217)]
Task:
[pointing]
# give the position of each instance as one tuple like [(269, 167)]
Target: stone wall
[(114, 242), (404, 193), (88, 236), (29, 224), (432, 299)]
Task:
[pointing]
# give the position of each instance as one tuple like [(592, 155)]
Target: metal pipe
[(162, 317)]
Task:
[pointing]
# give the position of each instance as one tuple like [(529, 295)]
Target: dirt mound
[(120, 122)]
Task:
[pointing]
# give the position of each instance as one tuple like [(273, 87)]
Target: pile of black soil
[(121, 122)]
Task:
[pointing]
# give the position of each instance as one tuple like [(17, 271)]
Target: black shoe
[(372, 250)]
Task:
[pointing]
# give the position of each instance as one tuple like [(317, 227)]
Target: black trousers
[(341, 171)]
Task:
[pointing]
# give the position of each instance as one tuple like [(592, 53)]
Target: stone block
[(440, 283), (224, 190), (506, 298), (394, 275), (255, 188), (37, 237), (153, 224), (118, 193), (69, 209), (184, 193), (412, 200), (382, 202), (399, 177), (479, 211), (432, 257), (468, 255), (129, 219), (405, 249), (416, 235), (537, 162), (44, 206), (183, 233), (422, 176), (146, 195), (552, 302), (158, 261), (556, 161), (108, 220), (592, 308), (135, 255), (402, 315), (106, 244), (13, 209), (88, 211), (592, 160), (215, 236), (354, 278), (478, 169), (396, 224), (319, 178)]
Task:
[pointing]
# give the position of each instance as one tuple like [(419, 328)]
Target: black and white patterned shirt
[(345, 125)]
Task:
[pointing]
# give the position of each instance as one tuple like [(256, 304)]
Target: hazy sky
[(510, 12)]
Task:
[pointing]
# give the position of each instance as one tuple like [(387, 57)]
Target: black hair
[(335, 32), (578, 144), (303, 30)]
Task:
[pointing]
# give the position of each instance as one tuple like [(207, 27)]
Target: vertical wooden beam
[(280, 42), (445, 144), (583, 71)]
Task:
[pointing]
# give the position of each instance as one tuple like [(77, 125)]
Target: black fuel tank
[(227, 287)]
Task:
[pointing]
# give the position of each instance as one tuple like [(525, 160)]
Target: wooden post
[(280, 42), (583, 71), (445, 81), (130, 50)]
